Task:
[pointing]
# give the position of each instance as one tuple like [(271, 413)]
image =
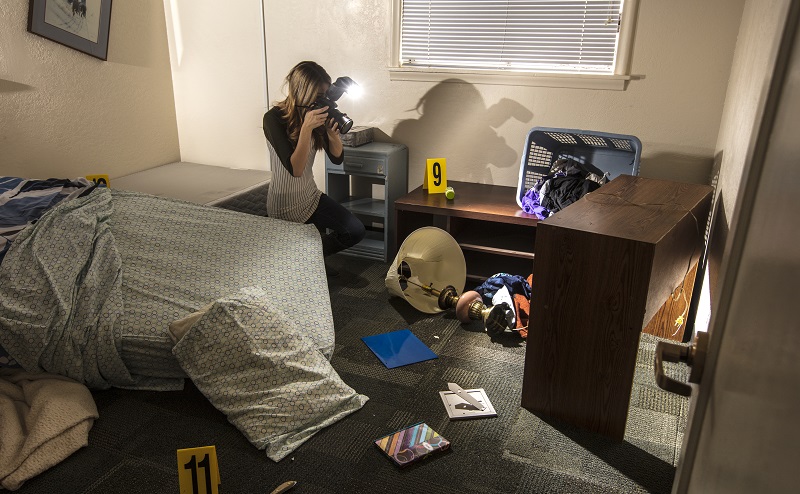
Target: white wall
[(751, 74), (217, 68), (683, 52), (749, 82), (217, 55), (66, 114)]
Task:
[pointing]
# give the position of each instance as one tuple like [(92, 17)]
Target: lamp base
[(496, 319), (448, 298)]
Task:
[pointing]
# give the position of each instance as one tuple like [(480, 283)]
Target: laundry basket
[(615, 154)]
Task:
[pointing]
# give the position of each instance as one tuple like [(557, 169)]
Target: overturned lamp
[(426, 272)]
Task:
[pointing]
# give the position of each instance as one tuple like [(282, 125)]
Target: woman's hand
[(314, 119), (334, 141), (332, 128), (311, 120)]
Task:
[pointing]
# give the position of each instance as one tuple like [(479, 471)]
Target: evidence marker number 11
[(198, 472)]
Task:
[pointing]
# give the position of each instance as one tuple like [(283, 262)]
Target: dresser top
[(636, 208), (476, 201)]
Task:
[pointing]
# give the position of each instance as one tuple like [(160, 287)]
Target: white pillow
[(263, 373)]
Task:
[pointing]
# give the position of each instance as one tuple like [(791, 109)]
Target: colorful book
[(412, 444)]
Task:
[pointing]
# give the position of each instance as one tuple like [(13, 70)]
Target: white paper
[(458, 408)]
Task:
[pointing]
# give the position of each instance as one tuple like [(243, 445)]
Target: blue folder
[(398, 348)]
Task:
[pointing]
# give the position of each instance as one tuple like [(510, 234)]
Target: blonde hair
[(304, 82)]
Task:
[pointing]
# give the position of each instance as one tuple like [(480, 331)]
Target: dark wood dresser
[(603, 268)]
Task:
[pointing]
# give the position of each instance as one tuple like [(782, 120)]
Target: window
[(514, 40)]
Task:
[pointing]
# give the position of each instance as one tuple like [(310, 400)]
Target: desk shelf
[(492, 237), (366, 206), (494, 234)]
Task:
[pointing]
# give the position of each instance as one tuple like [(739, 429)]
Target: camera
[(335, 91)]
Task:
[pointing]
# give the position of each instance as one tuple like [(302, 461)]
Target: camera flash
[(355, 91)]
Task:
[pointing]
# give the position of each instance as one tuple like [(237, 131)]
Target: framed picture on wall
[(79, 24)]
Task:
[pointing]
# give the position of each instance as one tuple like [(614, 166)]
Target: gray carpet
[(132, 446)]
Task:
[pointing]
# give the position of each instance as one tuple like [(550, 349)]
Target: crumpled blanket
[(44, 418)]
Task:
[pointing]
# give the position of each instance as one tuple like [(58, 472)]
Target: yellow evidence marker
[(435, 176), (101, 180), (198, 472)]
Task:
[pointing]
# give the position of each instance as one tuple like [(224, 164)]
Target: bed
[(236, 189), (118, 288)]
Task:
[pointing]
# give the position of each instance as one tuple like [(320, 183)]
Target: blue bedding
[(24, 201)]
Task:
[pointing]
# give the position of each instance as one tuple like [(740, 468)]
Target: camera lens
[(345, 123)]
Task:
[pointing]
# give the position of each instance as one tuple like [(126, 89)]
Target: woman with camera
[(295, 131)]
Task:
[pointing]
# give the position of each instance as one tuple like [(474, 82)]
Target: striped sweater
[(290, 198)]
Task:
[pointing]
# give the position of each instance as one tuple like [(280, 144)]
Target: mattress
[(106, 281), (240, 190), (127, 289)]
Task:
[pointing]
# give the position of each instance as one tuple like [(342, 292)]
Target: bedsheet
[(89, 291), (60, 294)]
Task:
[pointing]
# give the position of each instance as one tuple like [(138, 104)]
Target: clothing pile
[(512, 289), (568, 181)]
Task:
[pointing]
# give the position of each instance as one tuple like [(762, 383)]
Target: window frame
[(617, 81)]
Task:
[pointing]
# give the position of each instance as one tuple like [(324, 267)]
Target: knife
[(284, 487), (464, 395)]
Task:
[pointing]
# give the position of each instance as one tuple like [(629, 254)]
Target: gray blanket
[(61, 295)]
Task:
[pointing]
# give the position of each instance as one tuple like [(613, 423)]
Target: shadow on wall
[(13, 87), (678, 167), (454, 123)]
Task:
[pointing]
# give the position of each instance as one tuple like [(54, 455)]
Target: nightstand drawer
[(363, 165)]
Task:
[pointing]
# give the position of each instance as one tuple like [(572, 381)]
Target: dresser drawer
[(363, 165)]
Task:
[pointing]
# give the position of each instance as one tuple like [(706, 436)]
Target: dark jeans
[(347, 229)]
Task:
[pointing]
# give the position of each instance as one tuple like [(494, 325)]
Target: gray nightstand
[(371, 178)]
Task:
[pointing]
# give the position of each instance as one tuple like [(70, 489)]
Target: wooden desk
[(494, 233), (604, 267)]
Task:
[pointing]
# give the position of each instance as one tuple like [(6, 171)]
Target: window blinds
[(568, 36)]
